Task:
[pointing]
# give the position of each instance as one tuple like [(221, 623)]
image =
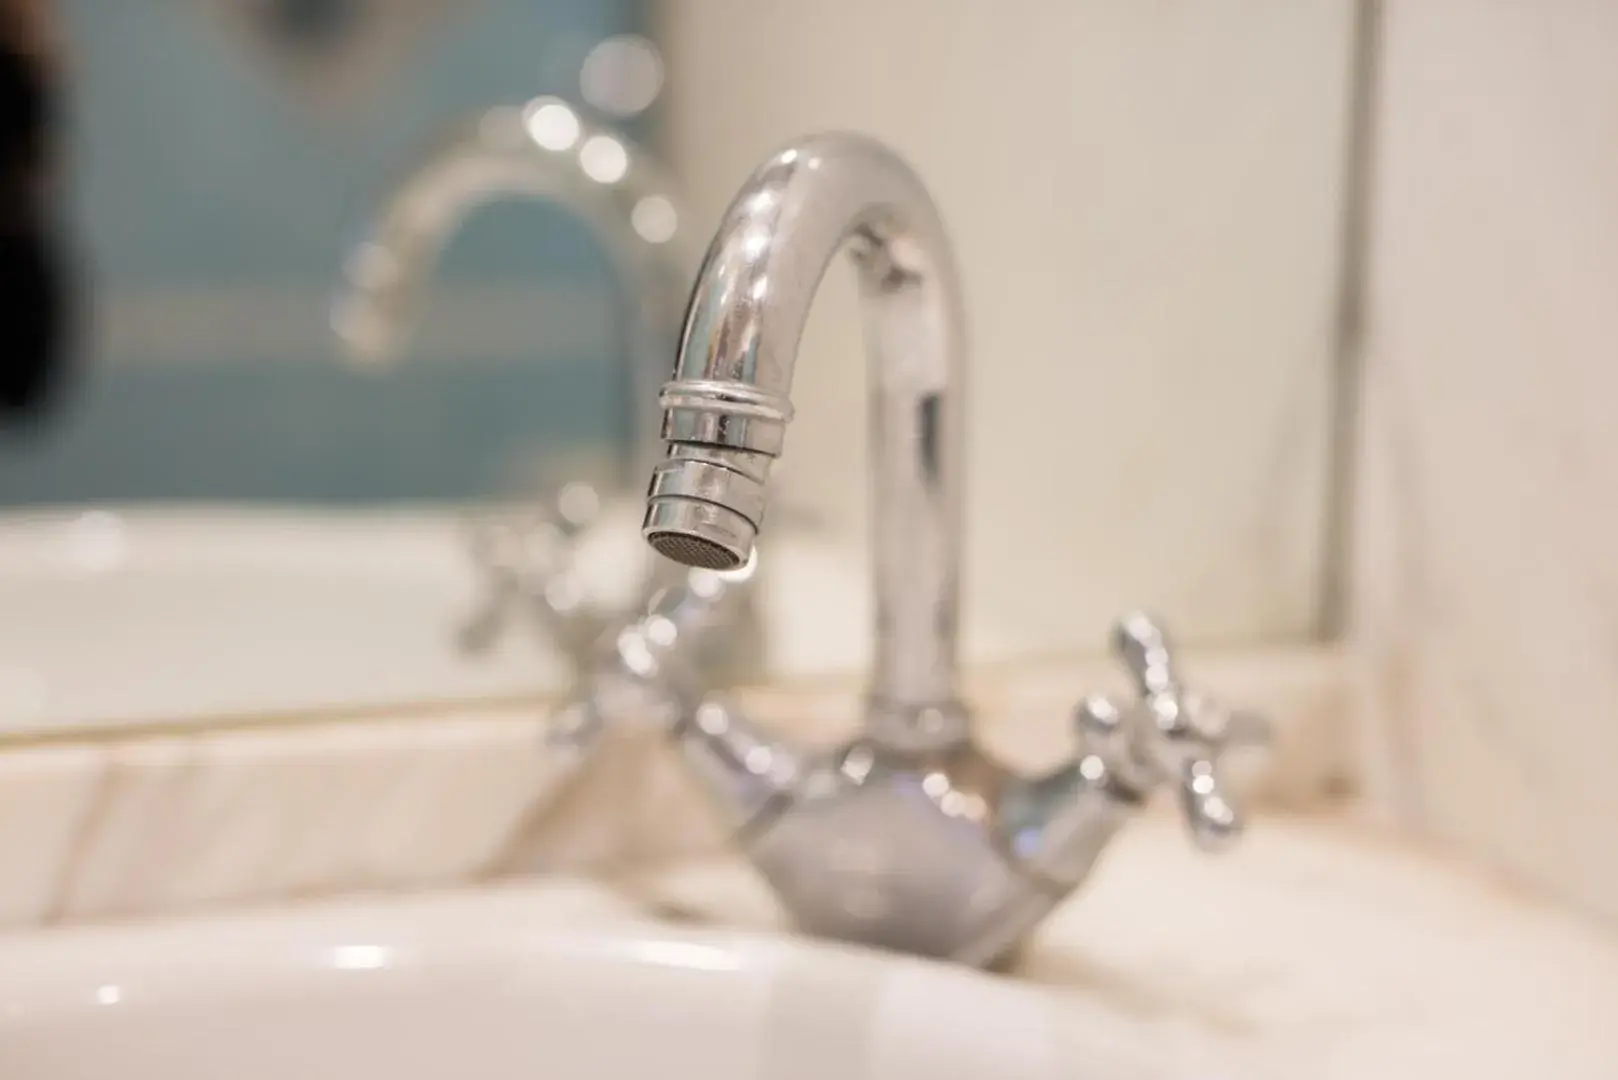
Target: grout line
[(326, 716), (91, 818), (1348, 361)]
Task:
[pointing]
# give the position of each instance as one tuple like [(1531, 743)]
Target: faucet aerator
[(704, 506), (699, 534)]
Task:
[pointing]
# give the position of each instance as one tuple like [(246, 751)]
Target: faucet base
[(917, 729), (913, 838), (905, 850)]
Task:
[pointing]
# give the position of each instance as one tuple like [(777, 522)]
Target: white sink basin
[(559, 981)]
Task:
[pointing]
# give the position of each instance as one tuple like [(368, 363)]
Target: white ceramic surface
[(556, 981)]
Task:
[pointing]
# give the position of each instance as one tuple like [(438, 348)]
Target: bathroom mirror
[(223, 516)]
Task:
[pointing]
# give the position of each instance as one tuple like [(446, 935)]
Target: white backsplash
[(1487, 587)]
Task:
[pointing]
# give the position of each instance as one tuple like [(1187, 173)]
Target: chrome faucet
[(544, 150), (528, 566), (909, 837), (642, 677)]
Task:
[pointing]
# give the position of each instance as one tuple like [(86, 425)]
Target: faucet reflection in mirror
[(909, 837), (527, 561)]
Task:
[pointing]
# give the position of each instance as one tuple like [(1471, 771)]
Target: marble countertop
[(1319, 948)]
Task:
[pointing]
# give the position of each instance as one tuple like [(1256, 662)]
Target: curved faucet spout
[(911, 835), (727, 407), (544, 150)]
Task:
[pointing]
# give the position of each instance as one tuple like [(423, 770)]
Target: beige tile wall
[(1145, 198), (1488, 568)]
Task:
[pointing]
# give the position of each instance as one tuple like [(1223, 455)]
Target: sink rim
[(49, 974), (483, 956)]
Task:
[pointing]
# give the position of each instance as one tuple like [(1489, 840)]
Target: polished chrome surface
[(945, 851), (527, 570), (1170, 735), (644, 677), (910, 837), (727, 407)]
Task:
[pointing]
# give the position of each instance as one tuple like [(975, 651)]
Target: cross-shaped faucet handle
[(1169, 734), (526, 566)]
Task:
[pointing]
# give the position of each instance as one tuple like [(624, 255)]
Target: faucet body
[(910, 836), (726, 410)]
